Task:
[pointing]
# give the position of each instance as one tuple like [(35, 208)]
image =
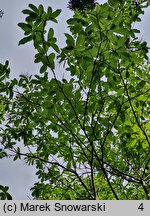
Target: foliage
[(1, 13), (4, 74), (88, 135), (81, 5), (4, 195)]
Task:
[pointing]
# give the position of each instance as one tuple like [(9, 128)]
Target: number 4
[(141, 207)]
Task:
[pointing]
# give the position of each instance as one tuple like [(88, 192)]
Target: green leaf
[(25, 40), (113, 3), (51, 58), (2, 187), (9, 197), (2, 154), (41, 9), (25, 27), (55, 13), (49, 11), (141, 85), (27, 11), (55, 47), (123, 116), (6, 63), (70, 40), (43, 68), (80, 40), (34, 8), (122, 31), (50, 34), (38, 57)]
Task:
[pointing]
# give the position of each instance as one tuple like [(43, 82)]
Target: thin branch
[(136, 118), (61, 166)]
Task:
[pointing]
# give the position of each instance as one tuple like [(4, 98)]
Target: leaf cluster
[(88, 136), (81, 5), (4, 195)]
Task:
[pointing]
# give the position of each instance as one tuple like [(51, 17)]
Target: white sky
[(19, 177)]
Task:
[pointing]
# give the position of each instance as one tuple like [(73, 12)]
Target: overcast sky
[(18, 176)]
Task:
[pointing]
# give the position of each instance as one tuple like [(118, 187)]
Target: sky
[(17, 175)]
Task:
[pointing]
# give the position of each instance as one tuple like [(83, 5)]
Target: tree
[(4, 74), (88, 135)]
